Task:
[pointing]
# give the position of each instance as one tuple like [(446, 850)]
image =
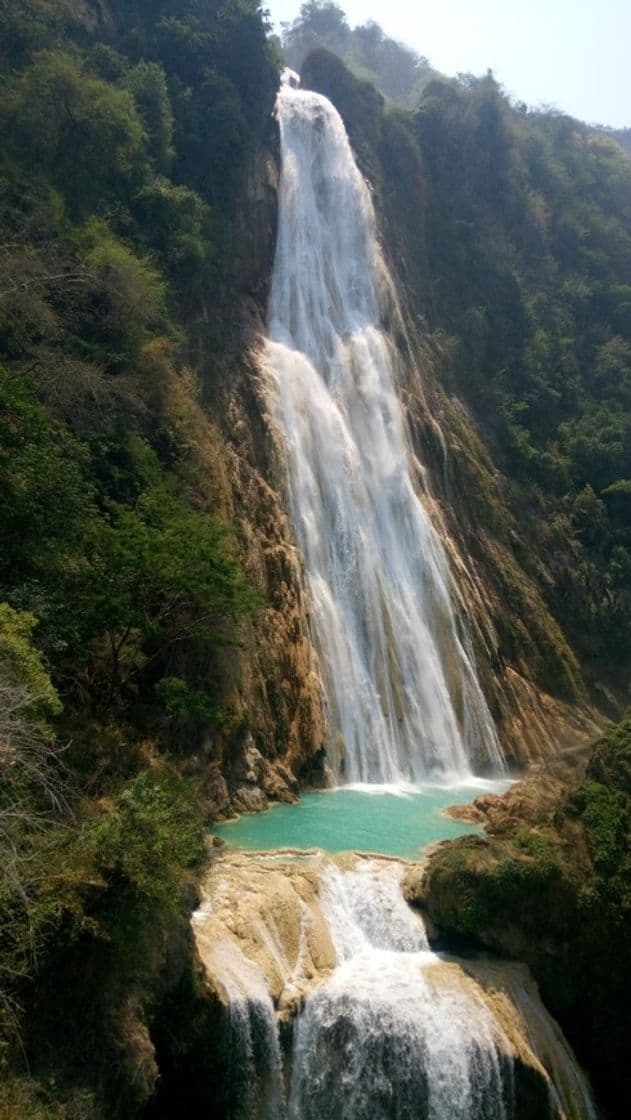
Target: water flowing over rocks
[(337, 1008), (273, 681), (329, 1001)]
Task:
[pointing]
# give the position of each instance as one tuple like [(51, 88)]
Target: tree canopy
[(126, 133)]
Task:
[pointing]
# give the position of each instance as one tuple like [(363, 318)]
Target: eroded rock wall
[(273, 697)]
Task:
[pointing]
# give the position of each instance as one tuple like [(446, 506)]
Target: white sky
[(574, 54)]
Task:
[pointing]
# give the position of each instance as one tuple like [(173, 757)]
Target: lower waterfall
[(385, 1036), (254, 1062), (338, 1009)]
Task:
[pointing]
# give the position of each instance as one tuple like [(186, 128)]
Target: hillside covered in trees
[(128, 130), (529, 257)]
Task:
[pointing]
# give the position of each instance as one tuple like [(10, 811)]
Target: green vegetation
[(125, 135), (622, 136), (529, 252), (556, 892)]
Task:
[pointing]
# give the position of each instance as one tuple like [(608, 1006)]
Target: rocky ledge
[(262, 938)]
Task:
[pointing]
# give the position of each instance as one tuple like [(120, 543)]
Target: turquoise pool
[(371, 819)]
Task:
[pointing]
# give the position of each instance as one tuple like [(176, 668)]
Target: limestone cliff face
[(270, 681)]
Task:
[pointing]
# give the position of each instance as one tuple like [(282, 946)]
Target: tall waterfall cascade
[(403, 698), (338, 1009)]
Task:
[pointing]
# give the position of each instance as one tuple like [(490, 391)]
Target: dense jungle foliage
[(528, 240), (125, 129)]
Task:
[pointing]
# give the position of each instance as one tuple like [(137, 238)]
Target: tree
[(322, 18), (148, 87), (32, 792), (396, 70), (85, 132)]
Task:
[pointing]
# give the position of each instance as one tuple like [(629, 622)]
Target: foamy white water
[(389, 1034), (569, 1091), (393, 1032), (404, 701), (255, 1073), (374, 1025)]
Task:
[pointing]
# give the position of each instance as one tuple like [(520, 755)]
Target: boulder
[(249, 799)]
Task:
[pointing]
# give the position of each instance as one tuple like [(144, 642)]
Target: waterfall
[(569, 1090), (389, 1035), (254, 1066), (256, 1074), (338, 1009), (404, 702), (326, 955)]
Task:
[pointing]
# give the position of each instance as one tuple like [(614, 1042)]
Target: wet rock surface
[(296, 948)]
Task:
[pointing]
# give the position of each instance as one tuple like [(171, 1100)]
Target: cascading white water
[(392, 1032), (254, 1060), (388, 1035), (328, 957), (256, 1077), (403, 695), (569, 1091)]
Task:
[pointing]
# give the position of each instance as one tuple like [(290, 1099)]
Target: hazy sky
[(575, 54)]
